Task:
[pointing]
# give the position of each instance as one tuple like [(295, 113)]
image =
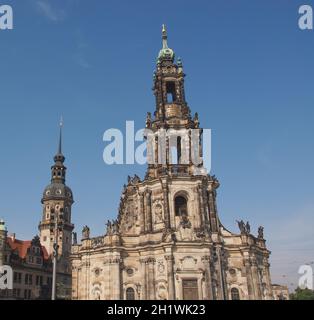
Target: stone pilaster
[(208, 278), (201, 205), (145, 278), (166, 206), (268, 280), (256, 279), (151, 278), (116, 278), (205, 204), (170, 276), (85, 271), (221, 275), (148, 206), (250, 284), (212, 212), (142, 212)]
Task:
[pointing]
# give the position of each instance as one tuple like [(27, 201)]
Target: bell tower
[(169, 89), (170, 147), (57, 203)]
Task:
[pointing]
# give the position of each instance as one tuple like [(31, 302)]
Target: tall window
[(130, 294), (235, 295), (178, 150), (180, 206)]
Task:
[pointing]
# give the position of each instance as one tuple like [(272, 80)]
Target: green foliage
[(302, 294)]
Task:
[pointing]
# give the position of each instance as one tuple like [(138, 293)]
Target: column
[(170, 275), (151, 278), (142, 212), (256, 279), (166, 206), (268, 281), (206, 211), (116, 279), (148, 210), (212, 212), (201, 206), (250, 285), (221, 276), (208, 278), (144, 279)]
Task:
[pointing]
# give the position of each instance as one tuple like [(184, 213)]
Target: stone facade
[(168, 241)]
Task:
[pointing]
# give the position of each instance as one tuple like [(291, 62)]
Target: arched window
[(235, 295), (171, 92), (181, 207), (130, 294)]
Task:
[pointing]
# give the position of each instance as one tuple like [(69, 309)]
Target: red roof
[(22, 247)]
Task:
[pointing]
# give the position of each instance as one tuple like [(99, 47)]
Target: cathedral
[(168, 241)]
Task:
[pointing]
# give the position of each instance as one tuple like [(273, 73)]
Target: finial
[(60, 136), (164, 37)]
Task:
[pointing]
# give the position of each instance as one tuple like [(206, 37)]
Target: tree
[(302, 294)]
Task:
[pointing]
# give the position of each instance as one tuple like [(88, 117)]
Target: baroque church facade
[(168, 241)]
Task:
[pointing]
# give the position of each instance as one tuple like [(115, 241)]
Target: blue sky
[(249, 76)]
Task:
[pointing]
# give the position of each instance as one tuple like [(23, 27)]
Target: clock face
[(58, 191), (48, 192)]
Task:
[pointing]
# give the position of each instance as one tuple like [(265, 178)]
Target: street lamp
[(58, 219)]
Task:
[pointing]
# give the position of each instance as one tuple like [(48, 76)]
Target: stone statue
[(244, 228), (260, 232), (148, 120), (248, 228), (74, 238), (115, 227), (85, 232), (158, 213), (241, 225), (196, 121), (109, 227), (185, 222)]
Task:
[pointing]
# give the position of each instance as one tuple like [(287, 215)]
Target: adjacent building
[(31, 265), (31, 260)]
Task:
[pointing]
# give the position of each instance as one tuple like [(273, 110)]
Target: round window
[(130, 272)]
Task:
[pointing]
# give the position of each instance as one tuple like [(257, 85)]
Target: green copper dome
[(165, 53)]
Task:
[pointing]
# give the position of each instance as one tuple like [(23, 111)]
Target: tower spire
[(58, 169), (164, 37), (165, 54), (60, 136)]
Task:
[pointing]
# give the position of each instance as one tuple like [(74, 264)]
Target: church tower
[(57, 202), (174, 145)]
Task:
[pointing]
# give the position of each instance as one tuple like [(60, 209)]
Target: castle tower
[(57, 203), (3, 238)]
